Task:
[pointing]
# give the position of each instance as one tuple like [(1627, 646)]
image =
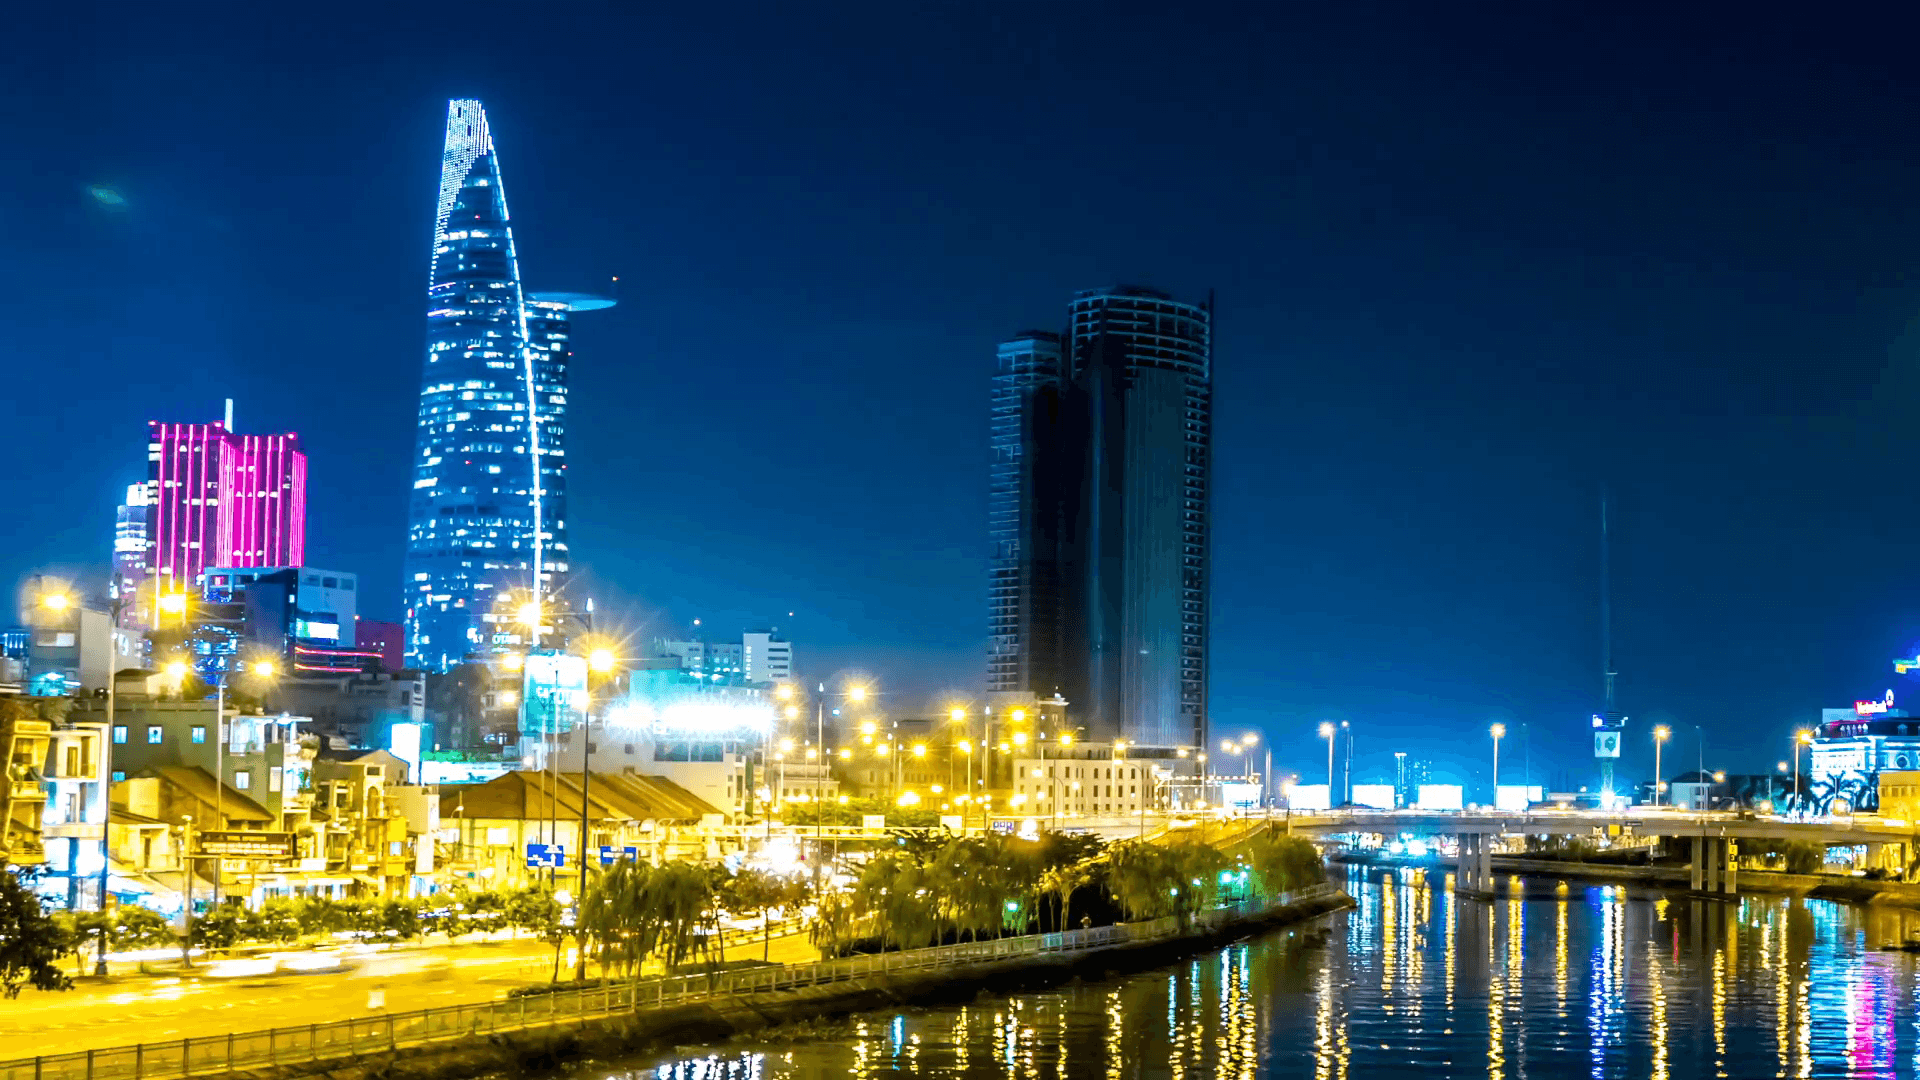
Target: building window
[(242, 780), (119, 776), (153, 734), (199, 733), (119, 734), (273, 778)]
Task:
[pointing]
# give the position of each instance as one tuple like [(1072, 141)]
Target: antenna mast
[(1606, 603)]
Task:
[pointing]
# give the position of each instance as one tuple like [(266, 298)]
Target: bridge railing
[(310, 1043)]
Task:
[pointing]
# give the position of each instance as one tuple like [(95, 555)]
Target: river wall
[(571, 1043)]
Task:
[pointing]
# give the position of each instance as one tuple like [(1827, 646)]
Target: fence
[(375, 1034)]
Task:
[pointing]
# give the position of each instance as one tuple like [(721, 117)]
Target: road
[(131, 1009)]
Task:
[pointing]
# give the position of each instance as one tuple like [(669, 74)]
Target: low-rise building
[(486, 829)]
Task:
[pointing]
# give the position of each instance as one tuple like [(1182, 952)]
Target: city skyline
[(1451, 319)]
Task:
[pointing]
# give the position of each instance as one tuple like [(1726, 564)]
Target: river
[(1547, 981)]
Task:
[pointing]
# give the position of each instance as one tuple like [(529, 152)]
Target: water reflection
[(1546, 980)]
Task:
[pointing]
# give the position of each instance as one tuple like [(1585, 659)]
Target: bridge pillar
[(1473, 870), (1697, 862), (1716, 854)]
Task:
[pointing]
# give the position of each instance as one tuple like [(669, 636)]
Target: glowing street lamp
[(173, 603), (784, 692), (600, 661), (1496, 731), (1801, 738), (1661, 733), (1327, 732), (57, 601)]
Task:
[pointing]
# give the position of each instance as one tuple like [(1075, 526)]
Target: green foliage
[(136, 927), (1802, 856), (851, 812), (218, 928), (634, 910), (31, 941), (1563, 846), (1152, 881), (1282, 863)]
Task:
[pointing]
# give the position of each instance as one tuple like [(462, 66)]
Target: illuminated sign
[(1307, 796), (1374, 796), (554, 697), (609, 854), (1606, 744), (542, 856), (247, 845), (1441, 797), (1874, 708)]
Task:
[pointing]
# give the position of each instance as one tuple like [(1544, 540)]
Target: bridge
[(1713, 836)]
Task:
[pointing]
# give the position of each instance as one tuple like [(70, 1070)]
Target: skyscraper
[(1099, 515), (489, 474), (220, 499)]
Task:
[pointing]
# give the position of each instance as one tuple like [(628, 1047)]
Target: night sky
[(1472, 263)]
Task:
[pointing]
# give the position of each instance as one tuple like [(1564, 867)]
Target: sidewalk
[(131, 1007)]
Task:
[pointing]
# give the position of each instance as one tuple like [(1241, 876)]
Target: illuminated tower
[(489, 472), (215, 498)]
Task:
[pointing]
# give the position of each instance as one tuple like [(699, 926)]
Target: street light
[(1496, 731), (1327, 731), (56, 601), (1803, 737), (1660, 735)]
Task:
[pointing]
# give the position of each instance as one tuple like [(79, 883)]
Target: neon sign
[(1874, 708)]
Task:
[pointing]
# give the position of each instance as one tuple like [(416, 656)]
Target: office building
[(1099, 516), (489, 476), (74, 649), (130, 543), (300, 617), (220, 499), (759, 657)]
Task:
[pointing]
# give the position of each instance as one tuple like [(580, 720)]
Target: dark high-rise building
[(1102, 456), (489, 474)]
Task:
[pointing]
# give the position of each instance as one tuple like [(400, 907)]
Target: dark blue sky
[(1470, 264)]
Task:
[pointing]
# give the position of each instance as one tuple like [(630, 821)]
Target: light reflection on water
[(1544, 981)]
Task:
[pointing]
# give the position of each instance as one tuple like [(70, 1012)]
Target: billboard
[(553, 698), (1515, 797), (1606, 744), (1374, 796), (1441, 797), (247, 845), (1307, 796)]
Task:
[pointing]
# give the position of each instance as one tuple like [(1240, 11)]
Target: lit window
[(243, 780), (119, 734), (199, 733)]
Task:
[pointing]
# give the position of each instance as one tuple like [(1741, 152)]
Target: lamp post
[(854, 693), (1660, 734), (1801, 738), (1327, 731), (1496, 731), (59, 602)]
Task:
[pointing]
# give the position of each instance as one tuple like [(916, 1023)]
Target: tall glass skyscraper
[(486, 525), (1100, 514)]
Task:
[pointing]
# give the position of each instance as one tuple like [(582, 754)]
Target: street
[(129, 1009)]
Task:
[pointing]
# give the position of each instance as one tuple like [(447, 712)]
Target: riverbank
[(1675, 878), (535, 1035)]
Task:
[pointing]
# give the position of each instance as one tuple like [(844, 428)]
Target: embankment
[(561, 1045)]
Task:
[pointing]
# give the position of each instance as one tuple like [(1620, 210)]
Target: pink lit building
[(220, 499)]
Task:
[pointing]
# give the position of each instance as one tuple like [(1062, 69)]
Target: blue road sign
[(542, 856), (609, 854)]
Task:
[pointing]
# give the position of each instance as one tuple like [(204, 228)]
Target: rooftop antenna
[(1606, 601), (1607, 724)]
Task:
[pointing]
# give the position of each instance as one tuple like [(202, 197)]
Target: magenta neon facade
[(221, 499)]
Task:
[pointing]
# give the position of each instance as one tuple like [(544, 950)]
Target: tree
[(31, 942), (1283, 863), (759, 891)]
